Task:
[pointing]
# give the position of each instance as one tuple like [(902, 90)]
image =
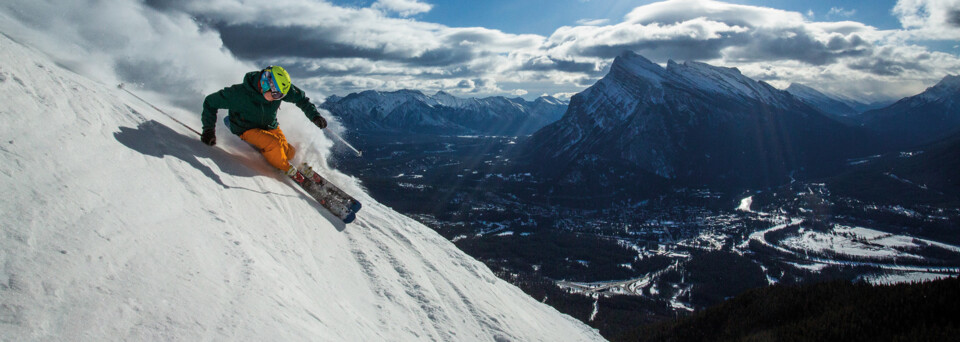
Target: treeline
[(831, 311)]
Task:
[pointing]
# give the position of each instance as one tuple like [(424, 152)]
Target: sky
[(865, 50)]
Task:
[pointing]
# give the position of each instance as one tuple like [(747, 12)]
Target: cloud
[(769, 42), (125, 41), (839, 11), (929, 19), (953, 17), (710, 30), (592, 22), (404, 8)]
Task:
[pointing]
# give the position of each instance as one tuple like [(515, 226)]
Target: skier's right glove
[(209, 137), (320, 122)]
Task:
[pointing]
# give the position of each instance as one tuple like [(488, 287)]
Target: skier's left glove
[(320, 122), (209, 137)]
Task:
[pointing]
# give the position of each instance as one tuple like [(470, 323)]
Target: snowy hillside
[(118, 224)]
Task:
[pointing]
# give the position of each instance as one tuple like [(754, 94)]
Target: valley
[(674, 251)]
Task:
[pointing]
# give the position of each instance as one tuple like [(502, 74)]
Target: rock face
[(928, 116), (411, 111), (693, 123)]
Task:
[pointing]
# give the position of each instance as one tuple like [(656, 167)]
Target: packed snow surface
[(118, 224)]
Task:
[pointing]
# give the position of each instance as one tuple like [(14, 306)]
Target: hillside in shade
[(834, 311)]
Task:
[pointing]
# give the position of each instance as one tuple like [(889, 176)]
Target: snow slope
[(118, 224)]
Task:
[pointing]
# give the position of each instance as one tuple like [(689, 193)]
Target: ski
[(330, 196)]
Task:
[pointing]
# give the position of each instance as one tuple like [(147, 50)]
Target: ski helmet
[(274, 79)]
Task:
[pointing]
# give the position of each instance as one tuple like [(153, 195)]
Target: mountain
[(118, 224), (827, 104), (925, 117), (693, 123), (411, 111)]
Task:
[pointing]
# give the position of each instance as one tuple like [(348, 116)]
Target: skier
[(252, 115)]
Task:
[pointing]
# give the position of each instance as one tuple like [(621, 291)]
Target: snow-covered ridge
[(702, 77), (118, 224), (725, 81), (639, 66)]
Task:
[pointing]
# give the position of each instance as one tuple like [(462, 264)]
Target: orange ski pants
[(272, 144)]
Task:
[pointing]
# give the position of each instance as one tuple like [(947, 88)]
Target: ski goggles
[(269, 85)]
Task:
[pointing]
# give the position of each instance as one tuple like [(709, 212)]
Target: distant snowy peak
[(804, 92), (449, 100), (947, 88), (825, 103), (550, 100)]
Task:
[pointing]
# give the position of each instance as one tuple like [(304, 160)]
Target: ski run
[(119, 224)]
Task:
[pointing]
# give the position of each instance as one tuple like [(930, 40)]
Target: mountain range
[(691, 123), (411, 111)]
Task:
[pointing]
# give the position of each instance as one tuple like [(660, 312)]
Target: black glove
[(320, 122), (209, 137)]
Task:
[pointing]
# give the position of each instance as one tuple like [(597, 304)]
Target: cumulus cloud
[(404, 8), (930, 19)]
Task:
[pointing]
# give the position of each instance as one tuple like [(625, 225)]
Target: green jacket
[(248, 109)]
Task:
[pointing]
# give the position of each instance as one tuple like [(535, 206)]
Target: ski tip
[(356, 206), (350, 218)]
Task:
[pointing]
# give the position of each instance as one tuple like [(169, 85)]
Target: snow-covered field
[(891, 251), (855, 242), (118, 224)]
